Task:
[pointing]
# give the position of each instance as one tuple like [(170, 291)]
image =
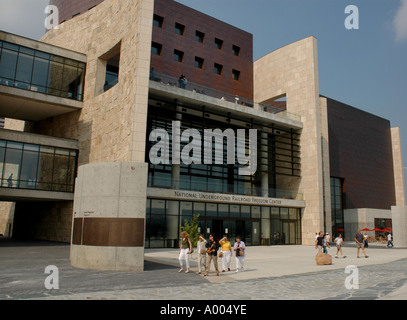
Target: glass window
[(235, 74), (45, 167), (55, 72), (28, 178), (24, 70), (234, 211), (256, 212), (236, 50), (8, 64), (211, 210), (218, 43), (179, 29), (158, 21), (12, 166), (284, 213), (199, 36), (223, 210), (156, 48), (218, 68), (157, 207), (178, 55), (199, 63), (199, 208), (40, 74), (60, 172), (245, 211)]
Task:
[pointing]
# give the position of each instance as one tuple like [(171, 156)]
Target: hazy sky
[(365, 68)]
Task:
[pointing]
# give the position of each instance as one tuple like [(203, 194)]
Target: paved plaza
[(271, 273)]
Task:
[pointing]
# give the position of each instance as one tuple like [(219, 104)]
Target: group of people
[(322, 243), (208, 251)]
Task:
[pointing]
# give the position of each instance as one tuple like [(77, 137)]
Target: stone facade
[(292, 71)]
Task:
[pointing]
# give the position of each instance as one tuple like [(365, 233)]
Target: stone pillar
[(399, 223), (109, 217)]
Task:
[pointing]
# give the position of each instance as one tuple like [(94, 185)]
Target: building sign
[(221, 198)]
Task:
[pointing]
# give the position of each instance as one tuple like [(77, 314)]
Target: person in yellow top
[(226, 249)]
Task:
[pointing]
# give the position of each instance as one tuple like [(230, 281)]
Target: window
[(158, 21), (200, 36), (218, 68), (236, 50), (156, 48), (218, 43), (199, 63), (38, 71), (110, 61), (235, 74), (178, 55), (179, 29)]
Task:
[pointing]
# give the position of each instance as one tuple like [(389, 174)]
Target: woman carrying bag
[(240, 249)]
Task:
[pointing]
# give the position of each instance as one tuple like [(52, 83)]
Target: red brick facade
[(234, 64), (361, 153)]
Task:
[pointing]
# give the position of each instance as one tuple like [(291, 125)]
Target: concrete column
[(176, 168), (109, 217), (399, 223)]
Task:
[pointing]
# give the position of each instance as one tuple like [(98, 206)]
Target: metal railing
[(199, 89)]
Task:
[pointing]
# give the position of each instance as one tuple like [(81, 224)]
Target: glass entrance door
[(288, 236)]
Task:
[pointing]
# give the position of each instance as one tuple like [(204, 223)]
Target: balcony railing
[(199, 89)]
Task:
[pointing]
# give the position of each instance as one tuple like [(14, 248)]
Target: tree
[(192, 229)]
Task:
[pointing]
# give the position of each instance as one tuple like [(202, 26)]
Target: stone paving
[(271, 273)]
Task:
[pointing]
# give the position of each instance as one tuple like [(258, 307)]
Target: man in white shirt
[(339, 241)]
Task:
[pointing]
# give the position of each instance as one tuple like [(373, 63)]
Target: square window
[(178, 55), (156, 48), (158, 21), (200, 36), (236, 50), (199, 62), (218, 68), (179, 29), (236, 74), (218, 43)]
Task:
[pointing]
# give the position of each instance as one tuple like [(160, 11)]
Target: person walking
[(339, 240), (240, 249), (319, 242), (366, 240), (389, 240), (325, 243), (227, 253), (201, 249), (212, 250), (359, 244), (185, 250)]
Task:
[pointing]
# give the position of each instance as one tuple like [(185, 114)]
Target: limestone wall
[(293, 71)]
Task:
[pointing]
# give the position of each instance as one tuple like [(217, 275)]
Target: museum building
[(86, 105)]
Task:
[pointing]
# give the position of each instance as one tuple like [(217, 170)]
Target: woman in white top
[(240, 249)]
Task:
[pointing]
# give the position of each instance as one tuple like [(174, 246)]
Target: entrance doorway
[(289, 235)]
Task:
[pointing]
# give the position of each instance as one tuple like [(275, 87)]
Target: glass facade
[(37, 71), (255, 224), (29, 166), (282, 158)]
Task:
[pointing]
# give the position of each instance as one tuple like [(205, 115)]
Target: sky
[(365, 68)]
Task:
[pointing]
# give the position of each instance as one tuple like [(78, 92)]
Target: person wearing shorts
[(339, 241), (359, 244)]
